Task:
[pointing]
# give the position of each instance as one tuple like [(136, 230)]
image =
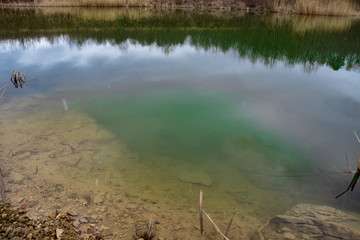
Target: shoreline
[(226, 6)]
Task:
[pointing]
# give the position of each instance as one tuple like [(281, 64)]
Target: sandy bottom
[(53, 159)]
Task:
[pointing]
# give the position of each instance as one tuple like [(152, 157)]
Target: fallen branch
[(3, 197), (216, 227)]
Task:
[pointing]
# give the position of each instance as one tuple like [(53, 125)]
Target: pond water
[(258, 111)]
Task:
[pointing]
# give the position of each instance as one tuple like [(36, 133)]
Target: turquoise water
[(184, 124)]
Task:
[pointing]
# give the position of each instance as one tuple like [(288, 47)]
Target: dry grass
[(106, 14), (91, 3), (308, 7), (325, 7)]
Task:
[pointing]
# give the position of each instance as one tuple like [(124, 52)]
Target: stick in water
[(229, 226), (357, 136), (353, 181), (201, 218), (2, 187), (216, 227)]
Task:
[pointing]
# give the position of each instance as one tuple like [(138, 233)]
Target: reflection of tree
[(297, 40)]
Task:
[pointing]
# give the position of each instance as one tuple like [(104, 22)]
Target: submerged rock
[(306, 221), (195, 177)]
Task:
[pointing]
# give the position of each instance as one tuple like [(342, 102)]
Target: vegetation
[(316, 7), (311, 41), (18, 79)]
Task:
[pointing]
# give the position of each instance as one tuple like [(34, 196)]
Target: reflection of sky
[(286, 98)]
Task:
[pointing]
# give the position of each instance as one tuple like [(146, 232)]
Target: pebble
[(131, 206), (106, 232), (97, 199), (83, 220), (76, 223), (289, 235), (29, 236), (59, 231)]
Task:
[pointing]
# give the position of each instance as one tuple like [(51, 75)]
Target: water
[(262, 108)]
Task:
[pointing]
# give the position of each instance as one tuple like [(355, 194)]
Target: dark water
[(264, 104)]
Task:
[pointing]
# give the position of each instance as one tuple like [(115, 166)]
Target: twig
[(353, 180), (216, 227), (261, 228), (3, 197), (201, 217), (357, 136), (229, 226), (77, 162)]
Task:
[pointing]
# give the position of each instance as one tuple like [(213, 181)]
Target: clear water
[(264, 106)]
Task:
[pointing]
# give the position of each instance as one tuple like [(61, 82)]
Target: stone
[(76, 223), (131, 206), (106, 232), (195, 177), (83, 220), (306, 221), (29, 236), (18, 178), (97, 199), (23, 155), (59, 231), (289, 235)]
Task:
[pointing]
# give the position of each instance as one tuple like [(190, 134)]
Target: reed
[(201, 217), (91, 3), (325, 7)]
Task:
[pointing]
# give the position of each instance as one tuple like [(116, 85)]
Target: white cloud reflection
[(44, 53)]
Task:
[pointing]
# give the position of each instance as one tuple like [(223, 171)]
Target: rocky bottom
[(15, 224), (306, 221)]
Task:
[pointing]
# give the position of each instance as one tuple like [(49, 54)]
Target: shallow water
[(262, 108)]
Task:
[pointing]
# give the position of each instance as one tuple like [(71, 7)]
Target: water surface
[(263, 105)]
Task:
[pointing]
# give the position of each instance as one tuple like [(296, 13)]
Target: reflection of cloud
[(46, 54)]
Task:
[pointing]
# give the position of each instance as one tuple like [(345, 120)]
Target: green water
[(191, 126)]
